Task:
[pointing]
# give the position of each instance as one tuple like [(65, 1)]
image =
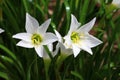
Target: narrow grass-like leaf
[(7, 59), (4, 75), (84, 11), (68, 13), (29, 70), (8, 51), (25, 2), (77, 75)]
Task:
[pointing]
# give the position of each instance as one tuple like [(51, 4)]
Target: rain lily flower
[(60, 45), (50, 47), (78, 37), (64, 52), (36, 36), (116, 3), (1, 30)]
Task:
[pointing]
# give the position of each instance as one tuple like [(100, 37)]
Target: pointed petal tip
[(75, 55), (39, 51), (101, 42), (49, 19), (58, 35), (1, 30), (14, 36), (93, 20), (72, 15), (91, 53), (24, 44), (27, 14)]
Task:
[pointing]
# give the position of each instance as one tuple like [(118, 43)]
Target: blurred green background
[(18, 63)]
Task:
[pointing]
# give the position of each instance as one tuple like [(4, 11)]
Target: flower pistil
[(76, 37), (36, 39)]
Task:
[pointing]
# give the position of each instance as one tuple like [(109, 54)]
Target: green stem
[(47, 64), (36, 68), (60, 60), (57, 74), (48, 52)]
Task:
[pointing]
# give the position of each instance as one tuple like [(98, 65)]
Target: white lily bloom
[(50, 47), (1, 30), (60, 45), (79, 39), (36, 36), (116, 3)]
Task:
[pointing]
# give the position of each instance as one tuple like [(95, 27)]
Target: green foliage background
[(18, 63)]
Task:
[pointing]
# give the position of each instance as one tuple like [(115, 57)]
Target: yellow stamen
[(36, 39), (76, 37)]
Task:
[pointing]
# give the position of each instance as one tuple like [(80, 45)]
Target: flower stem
[(36, 68), (60, 60), (47, 64)]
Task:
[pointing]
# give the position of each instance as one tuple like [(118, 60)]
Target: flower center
[(75, 37), (36, 39)]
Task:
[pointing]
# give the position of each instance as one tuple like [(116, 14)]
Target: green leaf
[(8, 51), (4, 75), (68, 13), (5, 58), (29, 70), (83, 13), (25, 2), (77, 75)]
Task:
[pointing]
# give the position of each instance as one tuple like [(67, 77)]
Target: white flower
[(1, 30), (79, 39), (36, 35), (50, 47), (116, 3), (60, 45)]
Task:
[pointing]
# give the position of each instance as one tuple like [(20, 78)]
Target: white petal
[(43, 28), (59, 36), (23, 36), (76, 50), (68, 42), (39, 50), (50, 47), (66, 51), (31, 24), (57, 48), (1, 30), (45, 54), (92, 41), (74, 24), (86, 48), (87, 27), (49, 38), (116, 2), (25, 44)]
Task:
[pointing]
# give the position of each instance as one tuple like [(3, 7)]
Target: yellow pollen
[(36, 39), (75, 37)]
